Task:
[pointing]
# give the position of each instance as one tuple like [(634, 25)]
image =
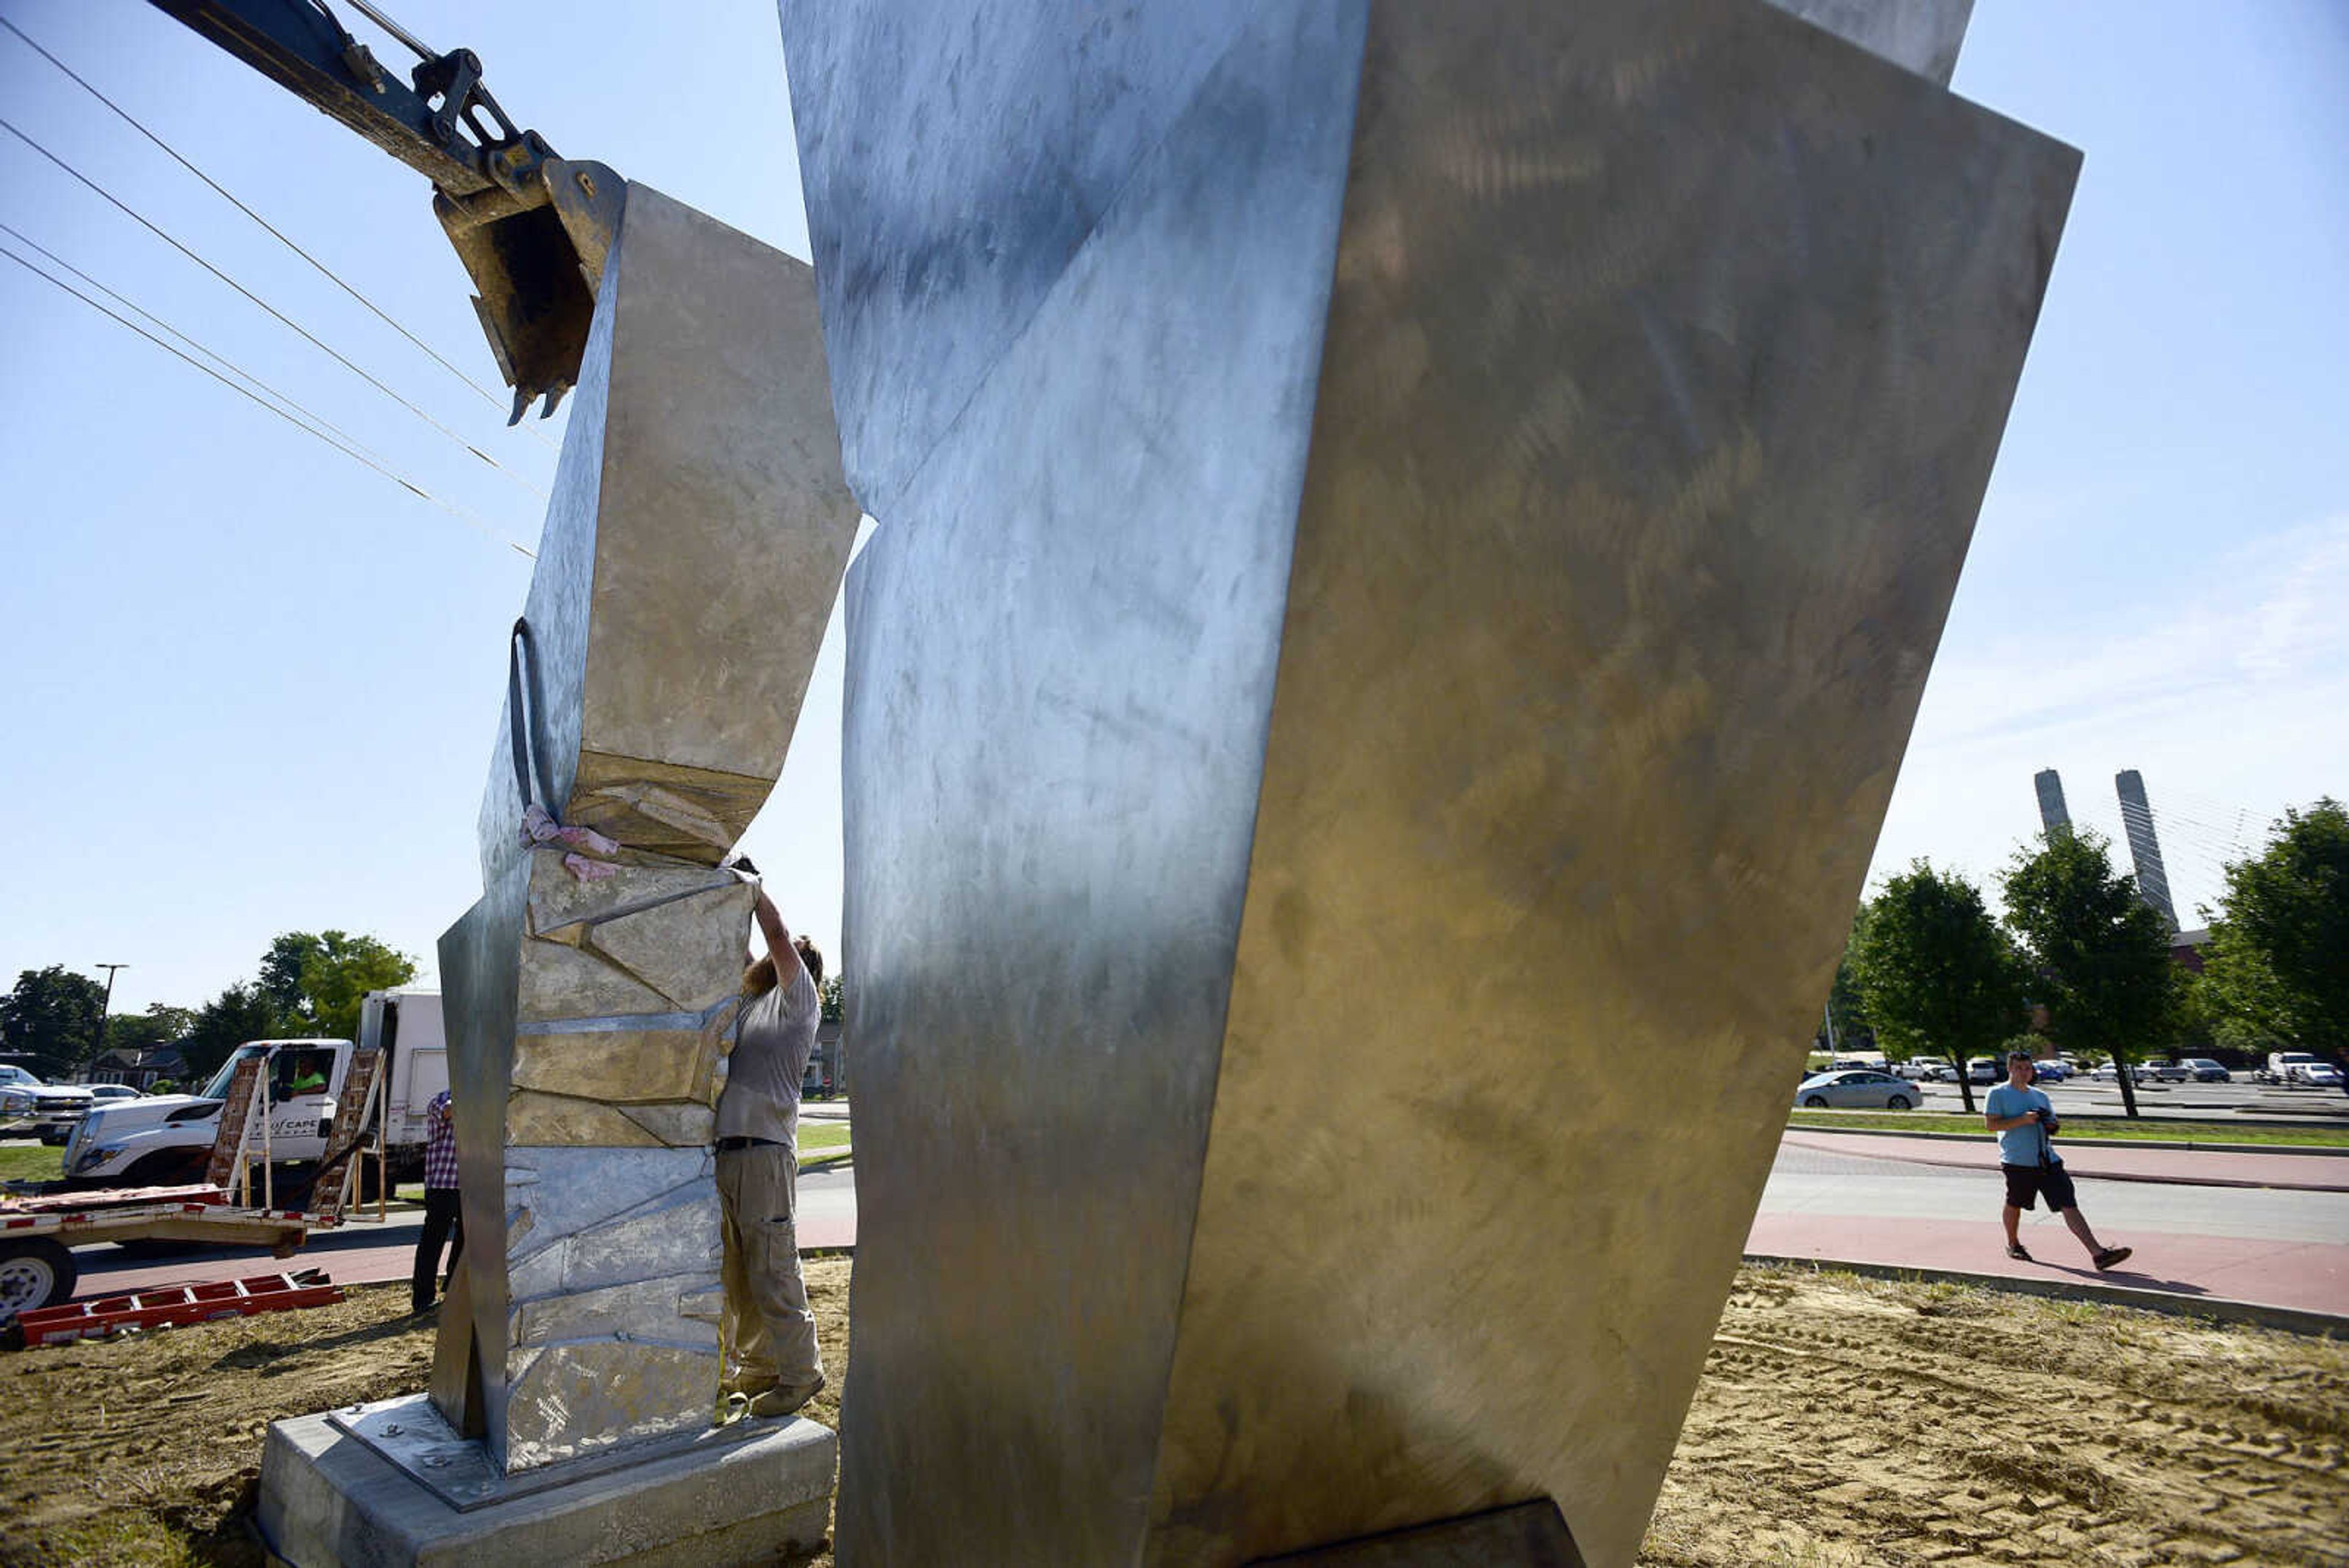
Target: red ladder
[(170, 1306)]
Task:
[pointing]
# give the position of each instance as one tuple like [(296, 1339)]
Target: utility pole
[(105, 1005)]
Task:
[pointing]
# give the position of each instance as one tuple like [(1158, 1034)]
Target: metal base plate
[(409, 1434)]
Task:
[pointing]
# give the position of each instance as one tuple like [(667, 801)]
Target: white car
[(1867, 1089), (36, 1106)]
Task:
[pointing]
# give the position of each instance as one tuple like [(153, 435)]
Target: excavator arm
[(533, 228)]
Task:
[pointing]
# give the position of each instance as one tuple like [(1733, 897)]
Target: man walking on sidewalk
[(441, 1216), (2025, 1120)]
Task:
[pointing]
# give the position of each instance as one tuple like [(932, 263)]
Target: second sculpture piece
[(691, 560), (1410, 541)]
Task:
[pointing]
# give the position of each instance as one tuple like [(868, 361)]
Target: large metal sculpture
[(1410, 541), (691, 556), (689, 562)]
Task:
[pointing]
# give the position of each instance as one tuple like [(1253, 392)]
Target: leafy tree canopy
[(1940, 977), (316, 978), (161, 1024), (339, 972), (50, 1020), (2279, 959), (243, 1012), (2101, 954), (831, 993)]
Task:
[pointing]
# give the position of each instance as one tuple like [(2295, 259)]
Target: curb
[(2336, 1151), (2222, 1309)]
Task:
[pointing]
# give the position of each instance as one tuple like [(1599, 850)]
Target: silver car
[(1866, 1090)]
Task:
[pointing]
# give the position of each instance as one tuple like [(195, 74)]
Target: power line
[(310, 414), (12, 129), (129, 118), (406, 484)]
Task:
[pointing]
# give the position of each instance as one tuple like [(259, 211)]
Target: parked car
[(2051, 1071), (1866, 1089), (2108, 1074), (1984, 1069), (2323, 1076), (36, 1107), (2206, 1071), (59, 1129), (2284, 1066), (2170, 1072)]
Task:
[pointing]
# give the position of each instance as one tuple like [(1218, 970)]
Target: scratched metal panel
[(1061, 648), (1669, 353), (694, 541), (956, 153)]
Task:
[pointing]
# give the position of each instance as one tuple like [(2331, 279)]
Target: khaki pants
[(767, 1318)]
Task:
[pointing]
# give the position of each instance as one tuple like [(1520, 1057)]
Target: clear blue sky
[(249, 686)]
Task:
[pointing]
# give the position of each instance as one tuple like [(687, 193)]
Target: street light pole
[(105, 1005)]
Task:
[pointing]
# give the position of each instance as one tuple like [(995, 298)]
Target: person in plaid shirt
[(442, 1218)]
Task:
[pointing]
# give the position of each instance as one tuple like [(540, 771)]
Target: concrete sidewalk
[(2085, 1157), (2299, 1276), (2250, 1229)]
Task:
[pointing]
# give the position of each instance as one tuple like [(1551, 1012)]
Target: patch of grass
[(822, 1143), (2085, 1129), (30, 1162)]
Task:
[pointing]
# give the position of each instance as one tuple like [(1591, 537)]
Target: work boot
[(785, 1400)]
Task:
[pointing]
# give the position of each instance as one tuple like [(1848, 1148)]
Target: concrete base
[(329, 1500)]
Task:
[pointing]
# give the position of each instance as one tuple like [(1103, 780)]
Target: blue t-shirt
[(2025, 1144)]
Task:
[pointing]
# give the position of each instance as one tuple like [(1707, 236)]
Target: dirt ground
[(1840, 1421)]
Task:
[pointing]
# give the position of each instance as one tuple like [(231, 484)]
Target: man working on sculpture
[(778, 1364), (2025, 1120)]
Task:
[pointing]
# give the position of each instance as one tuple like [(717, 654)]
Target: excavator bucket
[(536, 258)]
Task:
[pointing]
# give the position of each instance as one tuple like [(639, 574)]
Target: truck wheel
[(35, 1272)]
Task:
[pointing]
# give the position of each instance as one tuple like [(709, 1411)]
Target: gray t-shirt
[(772, 1043)]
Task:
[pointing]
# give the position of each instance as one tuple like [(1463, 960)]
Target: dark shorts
[(2024, 1182)]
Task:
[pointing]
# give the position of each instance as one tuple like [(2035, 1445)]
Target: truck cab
[(163, 1139)]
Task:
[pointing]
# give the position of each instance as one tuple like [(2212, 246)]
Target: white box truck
[(163, 1140)]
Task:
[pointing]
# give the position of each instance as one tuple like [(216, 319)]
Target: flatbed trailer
[(38, 1233)]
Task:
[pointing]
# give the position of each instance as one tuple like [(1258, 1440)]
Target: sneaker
[(2111, 1256), (2016, 1249), (781, 1401)]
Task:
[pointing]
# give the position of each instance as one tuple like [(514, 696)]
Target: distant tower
[(2145, 849), (2053, 816)]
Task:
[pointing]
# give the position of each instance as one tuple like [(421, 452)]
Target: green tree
[(2279, 956), (339, 972), (2101, 954), (315, 979), (281, 969), (243, 1012), (1847, 1004), (1938, 975), (51, 1018), (831, 993), (161, 1024)]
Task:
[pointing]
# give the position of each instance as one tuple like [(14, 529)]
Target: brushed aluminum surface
[(1288, 773), (691, 555), (1060, 653), (1922, 36), (1650, 431)]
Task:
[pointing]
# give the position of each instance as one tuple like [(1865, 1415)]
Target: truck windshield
[(218, 1088)]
